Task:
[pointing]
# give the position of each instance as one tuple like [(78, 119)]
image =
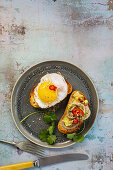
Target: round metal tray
[(21, 106)]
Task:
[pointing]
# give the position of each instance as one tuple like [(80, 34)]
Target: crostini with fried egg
[(51, 90)]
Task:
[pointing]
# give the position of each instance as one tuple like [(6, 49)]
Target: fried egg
[(51, 89)]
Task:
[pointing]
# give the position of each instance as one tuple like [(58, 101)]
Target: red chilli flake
[(52, 87)]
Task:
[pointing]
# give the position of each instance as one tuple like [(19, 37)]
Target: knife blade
[(60, 158)]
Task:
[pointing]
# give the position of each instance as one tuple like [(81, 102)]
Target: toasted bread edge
[(32, 99)]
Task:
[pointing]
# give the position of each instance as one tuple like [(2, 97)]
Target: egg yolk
[(45, 94)]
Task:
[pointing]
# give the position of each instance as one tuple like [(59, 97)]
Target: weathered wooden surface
[(76, 31)]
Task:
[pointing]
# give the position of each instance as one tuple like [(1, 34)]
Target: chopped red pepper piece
[(81, 112), (74, 111), (52, 87), (81, 100), (85, 104), (75, 121), (77, 112)]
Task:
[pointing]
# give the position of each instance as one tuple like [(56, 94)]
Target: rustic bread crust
[(32, 99), (60, 126)]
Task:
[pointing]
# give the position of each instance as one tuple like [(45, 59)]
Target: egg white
[(59, 81)]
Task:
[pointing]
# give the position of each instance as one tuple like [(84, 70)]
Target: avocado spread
[(77, 99), (67, 122)]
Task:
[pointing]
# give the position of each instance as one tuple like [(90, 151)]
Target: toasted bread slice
[(32, 99), (61, 128)]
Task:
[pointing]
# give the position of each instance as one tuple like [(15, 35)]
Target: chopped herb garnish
[(76, 137), (43, 135), (46, 135), (51, 139), (51, 128), (70, 136), (49, 117)]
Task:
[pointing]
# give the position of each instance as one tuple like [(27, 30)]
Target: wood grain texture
[(76, 31)]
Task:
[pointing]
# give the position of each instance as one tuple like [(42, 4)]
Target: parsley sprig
[(49, 117), (46, 135), (76, 137)]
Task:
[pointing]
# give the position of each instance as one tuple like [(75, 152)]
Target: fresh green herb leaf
[(51, 128), (51, 139), (49, 117), (46, 135), (78, 138), (71, 135), (43, 135), (81, 139), (75, 137)]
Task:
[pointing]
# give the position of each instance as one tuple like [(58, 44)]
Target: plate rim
[(43, 144)]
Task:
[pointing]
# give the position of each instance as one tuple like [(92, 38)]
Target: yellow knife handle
[(18, 166)]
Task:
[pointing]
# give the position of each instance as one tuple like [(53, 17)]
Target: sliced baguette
[(61, 128), (32, 99)]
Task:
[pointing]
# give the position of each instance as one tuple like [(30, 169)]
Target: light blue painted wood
[(76, 31)]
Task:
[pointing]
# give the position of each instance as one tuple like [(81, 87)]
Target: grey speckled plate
[(21, 106)]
